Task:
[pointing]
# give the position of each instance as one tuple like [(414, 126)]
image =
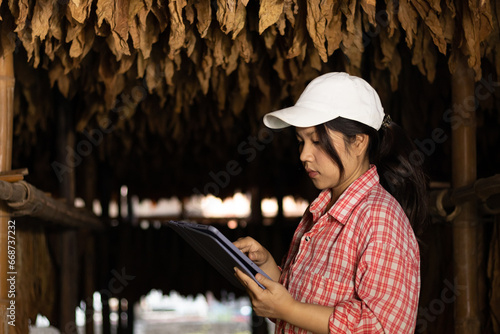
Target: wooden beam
[(465, 232), (6, 131)]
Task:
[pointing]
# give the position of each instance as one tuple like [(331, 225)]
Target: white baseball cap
[(327, 97)]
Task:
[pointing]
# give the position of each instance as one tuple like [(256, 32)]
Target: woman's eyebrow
[(307, 134)]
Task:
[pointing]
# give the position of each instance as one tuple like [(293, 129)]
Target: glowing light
[(113, 209), (96, 207), (124, 191), (232, 224), (164, 207), (294, 207), (79, 203), (246, 310), (144, 224), (113, 304), (269, 207), (236, 206)]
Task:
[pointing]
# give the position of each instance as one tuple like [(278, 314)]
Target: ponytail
[(399, 164), (398, 161)]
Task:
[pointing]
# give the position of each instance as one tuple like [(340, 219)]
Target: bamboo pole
[(465, 243), (25, 200), (486, 189), (6, 129)]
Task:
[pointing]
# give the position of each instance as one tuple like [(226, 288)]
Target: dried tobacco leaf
[(408, 17), (290, 9), (391, 20), (430, 18), (20, 10), (204, 72), (40, 20), (204, 17), (226, 12), (245, 46), (83, 43), (269, 13), (8, 37), (368, 7), (79, 10), (240, 18), (316, 21), (299, 42), (352, 40), (390, 58), (270, 38), (333, 32), (116, 15), (177, 29), (161, 14), (147, 35), (424, 54)]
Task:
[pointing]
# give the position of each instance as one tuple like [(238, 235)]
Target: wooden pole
[(25, 200), (104, 182), (6, 130), (259, 325), (68, 238), (90, 192), (465, 243)]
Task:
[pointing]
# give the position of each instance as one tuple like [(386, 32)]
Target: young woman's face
[(320, 167)]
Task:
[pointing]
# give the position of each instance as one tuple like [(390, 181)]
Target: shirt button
[(308, 238)]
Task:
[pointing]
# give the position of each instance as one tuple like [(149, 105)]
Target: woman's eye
[(315, 142)]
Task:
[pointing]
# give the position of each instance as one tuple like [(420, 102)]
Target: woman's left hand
[(273, 302)]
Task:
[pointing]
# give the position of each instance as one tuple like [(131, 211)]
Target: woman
[(353, 264)]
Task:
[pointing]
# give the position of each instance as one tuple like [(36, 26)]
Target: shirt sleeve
[(387, 288)]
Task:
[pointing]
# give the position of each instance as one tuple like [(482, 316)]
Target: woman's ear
[(360, 144)]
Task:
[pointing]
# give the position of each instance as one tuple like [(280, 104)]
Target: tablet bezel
[(213, 237)]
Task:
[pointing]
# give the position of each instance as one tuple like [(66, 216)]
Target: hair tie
[(387, 121)]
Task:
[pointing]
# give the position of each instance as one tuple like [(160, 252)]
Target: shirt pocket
[(325, 291)]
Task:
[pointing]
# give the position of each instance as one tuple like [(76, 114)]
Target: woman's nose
[(305, 153)]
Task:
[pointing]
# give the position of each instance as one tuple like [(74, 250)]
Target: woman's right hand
[(259, 255)]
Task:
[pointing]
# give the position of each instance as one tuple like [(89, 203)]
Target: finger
[(266, 282), (256, 256), (251, 286), (243, 244), (242, 280)]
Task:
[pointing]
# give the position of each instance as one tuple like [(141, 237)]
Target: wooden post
[(68, 238), (104, 184), (6, 130), (259, 325), (90, 192), (465, 243)]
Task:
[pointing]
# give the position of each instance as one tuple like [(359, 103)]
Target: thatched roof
[(181, 86)]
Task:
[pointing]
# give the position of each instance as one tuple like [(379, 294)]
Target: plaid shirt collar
[(348, 200)]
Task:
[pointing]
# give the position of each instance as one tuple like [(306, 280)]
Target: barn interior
[(108, 105)]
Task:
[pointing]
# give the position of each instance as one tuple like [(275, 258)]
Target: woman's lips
[(312, 173)]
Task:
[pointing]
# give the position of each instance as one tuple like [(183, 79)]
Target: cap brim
[(296, 116)]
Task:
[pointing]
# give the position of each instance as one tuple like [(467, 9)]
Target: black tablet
[(210, 243)]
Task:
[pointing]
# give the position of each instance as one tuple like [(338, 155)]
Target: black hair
[(397, 161)]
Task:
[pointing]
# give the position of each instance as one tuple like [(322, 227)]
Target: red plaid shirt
[(361, 258)]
